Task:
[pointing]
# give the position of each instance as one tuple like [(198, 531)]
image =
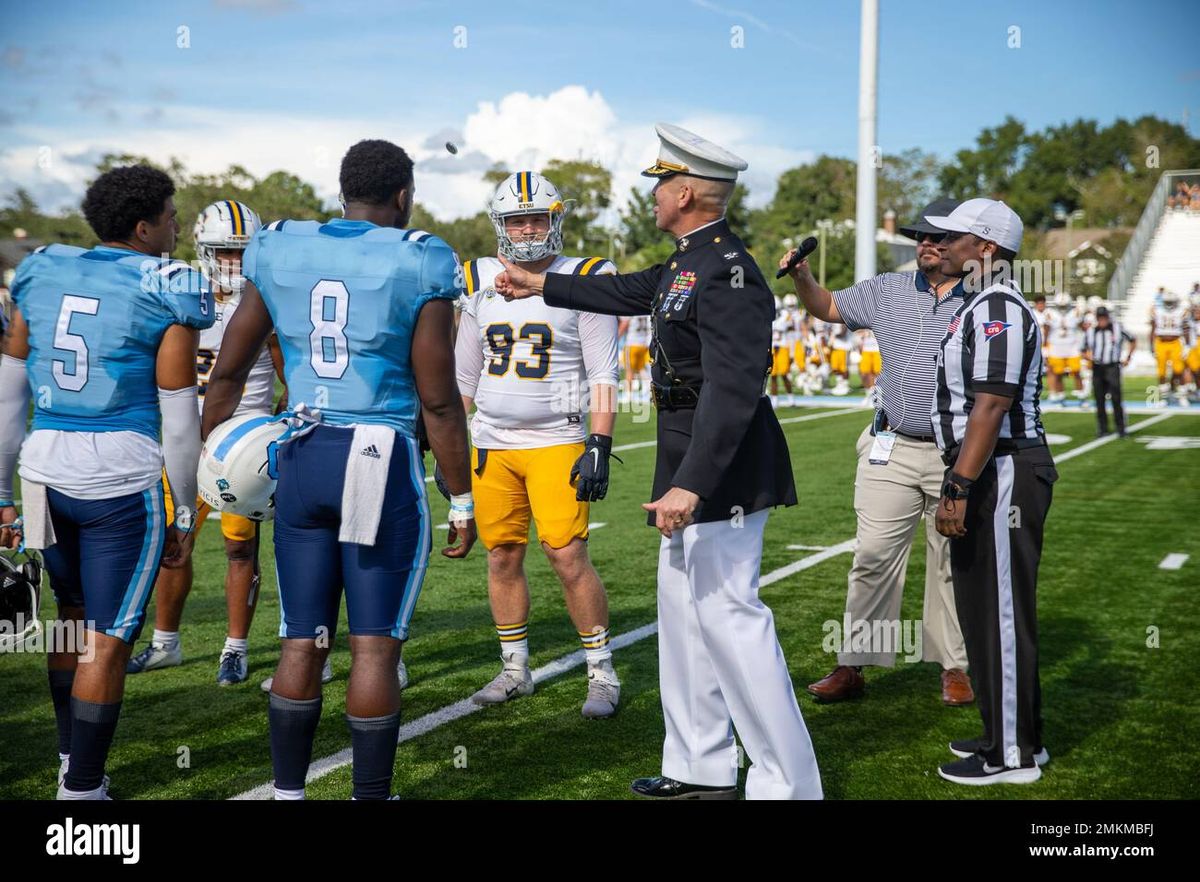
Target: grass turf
[(1119, 714)]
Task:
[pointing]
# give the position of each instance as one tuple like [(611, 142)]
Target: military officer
[(722, 464)]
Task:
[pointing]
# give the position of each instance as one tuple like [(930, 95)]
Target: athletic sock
[(373, 744), (596, 646), (167, 640), (514, 638), (92, 729), (293, 724), (235, 644), (60, 693)]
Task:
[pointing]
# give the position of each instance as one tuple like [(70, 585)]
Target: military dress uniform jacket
[(712, 313)]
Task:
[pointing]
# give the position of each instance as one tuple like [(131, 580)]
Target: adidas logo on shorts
[(371, 451)]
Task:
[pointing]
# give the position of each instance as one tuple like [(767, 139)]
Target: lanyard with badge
[(884, 440)]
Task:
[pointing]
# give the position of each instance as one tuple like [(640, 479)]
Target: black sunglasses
[(954, 236), (930, 237)]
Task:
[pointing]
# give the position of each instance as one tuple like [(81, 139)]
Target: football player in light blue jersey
[(104, 341), (364, 313)]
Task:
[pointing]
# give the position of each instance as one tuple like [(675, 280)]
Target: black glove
[(440, 480), (589, 475)]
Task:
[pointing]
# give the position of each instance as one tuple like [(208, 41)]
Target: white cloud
[(518, 131)]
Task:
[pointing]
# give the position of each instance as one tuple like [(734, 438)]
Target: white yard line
[(1107, 439), (451, 712), (1174, 561)]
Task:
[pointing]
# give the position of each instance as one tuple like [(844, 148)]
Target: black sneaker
[(967, 747), (975, 771)]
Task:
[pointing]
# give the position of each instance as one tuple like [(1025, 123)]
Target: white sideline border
[(435, 719)]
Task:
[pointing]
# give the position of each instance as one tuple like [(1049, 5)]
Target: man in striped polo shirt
[(900, 471), (997, 490), (1102, 345)]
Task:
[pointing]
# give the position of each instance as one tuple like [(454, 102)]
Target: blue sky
[(291, 83)]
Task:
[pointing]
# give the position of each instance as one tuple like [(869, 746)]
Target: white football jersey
[(779, 329), (259, 393), (1169, 322), (869, 343), (1066, 336), (538, 361), (791, 335), (639, 331), (839, 337)]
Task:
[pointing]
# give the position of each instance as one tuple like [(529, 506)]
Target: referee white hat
[(988, 219)]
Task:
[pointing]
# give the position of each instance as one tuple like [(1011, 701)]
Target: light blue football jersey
[(344, 297), (96, 318)]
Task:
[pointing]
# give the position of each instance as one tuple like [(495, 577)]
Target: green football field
[(1118, 648)]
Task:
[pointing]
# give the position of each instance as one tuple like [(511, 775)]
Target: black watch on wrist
[(956, 487)]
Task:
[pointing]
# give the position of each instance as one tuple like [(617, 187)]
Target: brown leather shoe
[(956, 688), (842, 682)]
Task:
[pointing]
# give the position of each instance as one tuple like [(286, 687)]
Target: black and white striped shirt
[(909, 322), (993, 344), (1105, 344)]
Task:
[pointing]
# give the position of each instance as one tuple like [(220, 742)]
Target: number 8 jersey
[(344, 297), (527, 365)]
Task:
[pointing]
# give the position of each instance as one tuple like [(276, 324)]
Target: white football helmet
[(234, 473), (527, 193), (1062, 300), (790, 301), (224, 224), (20, 598)]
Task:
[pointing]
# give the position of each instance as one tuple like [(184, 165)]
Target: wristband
[(7, 503), (462, 508)]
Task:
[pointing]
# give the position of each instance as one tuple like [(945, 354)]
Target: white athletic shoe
[(326, 676), (62, 773), (154, 657), (402, 674), (604, 692), (100, 793), (513, 681)]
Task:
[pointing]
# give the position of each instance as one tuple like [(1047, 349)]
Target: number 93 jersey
[(344, 297), (527, 365), (96, 318)]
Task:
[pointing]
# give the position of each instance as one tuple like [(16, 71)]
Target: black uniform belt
[(924, 439), (1004, 447), (675, 397)]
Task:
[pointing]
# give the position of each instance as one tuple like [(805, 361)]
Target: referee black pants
[(995, 568), (1106, 380)]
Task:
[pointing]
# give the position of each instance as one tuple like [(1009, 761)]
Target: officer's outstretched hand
[(589, 475), (517, 283)]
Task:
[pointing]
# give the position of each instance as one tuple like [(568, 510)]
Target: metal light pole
[(868, 64)]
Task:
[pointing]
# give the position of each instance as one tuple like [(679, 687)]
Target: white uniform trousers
[(720, 663)]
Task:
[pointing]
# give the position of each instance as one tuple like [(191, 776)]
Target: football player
[(1168, 327), (531, 370), (839, 358), (781, 361), (637, 331), (221, 234), (1065, 347), (1193, 359), (870, 363), (107, 338), (350, 506)]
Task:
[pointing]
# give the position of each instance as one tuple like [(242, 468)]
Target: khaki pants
[(889, 501)]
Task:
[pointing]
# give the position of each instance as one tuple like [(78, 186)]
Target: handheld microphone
[(807, 247)]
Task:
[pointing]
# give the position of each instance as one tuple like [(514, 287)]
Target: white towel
[(38, 528), (366, 483)]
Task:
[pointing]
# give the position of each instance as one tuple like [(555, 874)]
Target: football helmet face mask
[(20, 598), (235, 473), (224, 225), (525, 193)]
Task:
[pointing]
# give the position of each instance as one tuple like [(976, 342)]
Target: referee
[(896, 485), (1102, 346), (998, 489)]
